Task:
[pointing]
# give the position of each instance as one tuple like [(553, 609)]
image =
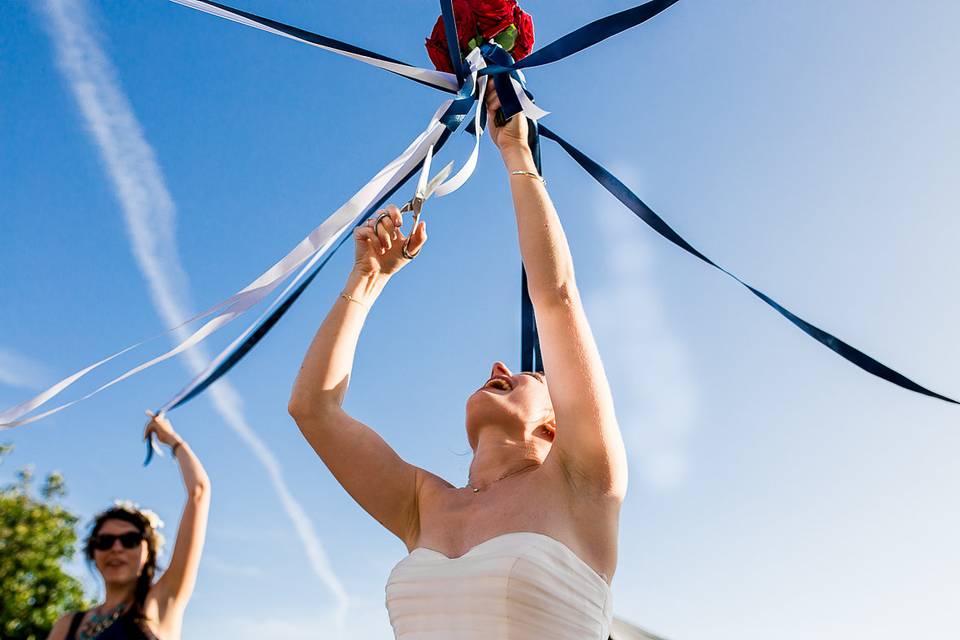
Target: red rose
[(524, 24), (437, 48), (479, 21), (493, 16), (466, 30)]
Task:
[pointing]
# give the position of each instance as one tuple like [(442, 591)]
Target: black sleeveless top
[(125, 628)]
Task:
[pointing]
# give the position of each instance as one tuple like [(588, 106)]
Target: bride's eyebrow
[(534, 374)]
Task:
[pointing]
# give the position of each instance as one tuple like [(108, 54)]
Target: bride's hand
[(379, 245), (512, 136)]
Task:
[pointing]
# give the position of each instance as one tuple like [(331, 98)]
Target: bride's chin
[(484, 406)]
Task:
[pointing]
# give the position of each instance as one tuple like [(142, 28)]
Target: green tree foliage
[(37, 536)]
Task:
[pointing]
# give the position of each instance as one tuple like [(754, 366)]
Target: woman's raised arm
[(371, 472), (175, 586), (588, 438)]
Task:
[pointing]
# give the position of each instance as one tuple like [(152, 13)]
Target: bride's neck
[(499, 455)]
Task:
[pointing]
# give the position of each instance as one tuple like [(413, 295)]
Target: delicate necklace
[(503, 477), (99, 622)]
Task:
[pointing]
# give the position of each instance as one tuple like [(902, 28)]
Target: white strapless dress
[(516, 586)]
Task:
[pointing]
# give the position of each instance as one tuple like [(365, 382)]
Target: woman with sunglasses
[(528, 546), (123, 545)]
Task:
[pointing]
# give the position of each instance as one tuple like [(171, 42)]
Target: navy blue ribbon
[(645, 213), (281, 309), (267, 323), (531, 358), (502, 67), (453, 42), (588, 35), (324, 41), (497, 57)]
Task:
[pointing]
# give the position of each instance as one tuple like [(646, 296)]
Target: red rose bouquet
[(479, 21)]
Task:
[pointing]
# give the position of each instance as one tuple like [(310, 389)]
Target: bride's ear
[(548, 430)]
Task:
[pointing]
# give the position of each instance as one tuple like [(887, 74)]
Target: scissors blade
[(424, 174), (437, 180)]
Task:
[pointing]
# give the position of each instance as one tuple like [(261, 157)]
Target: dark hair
[(145, 579)]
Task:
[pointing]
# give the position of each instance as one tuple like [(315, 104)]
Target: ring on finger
[(406, 254)]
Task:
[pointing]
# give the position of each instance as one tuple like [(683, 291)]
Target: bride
[(527, 549)]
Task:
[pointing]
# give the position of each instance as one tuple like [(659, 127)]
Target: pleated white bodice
[(512, 587)]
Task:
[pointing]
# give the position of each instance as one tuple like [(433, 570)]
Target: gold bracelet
[(350, 298), (530, 174)]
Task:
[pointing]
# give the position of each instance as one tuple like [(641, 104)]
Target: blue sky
[(776, 491)]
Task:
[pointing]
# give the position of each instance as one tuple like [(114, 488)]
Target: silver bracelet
[(530, 174)]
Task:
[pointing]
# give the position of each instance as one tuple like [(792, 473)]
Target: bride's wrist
[(517, 156), (364, 288)]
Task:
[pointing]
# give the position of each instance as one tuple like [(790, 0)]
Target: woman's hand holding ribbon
[(512, 136), (160, 427)]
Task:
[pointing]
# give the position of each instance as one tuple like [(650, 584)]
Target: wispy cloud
[(646, 360), (17, 370), (231, 567), (150, 216)]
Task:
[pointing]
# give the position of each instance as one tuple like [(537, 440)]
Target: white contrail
[(151, 224), (17, 370), (654, 389)]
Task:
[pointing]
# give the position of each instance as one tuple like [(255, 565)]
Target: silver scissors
[(425, 189)]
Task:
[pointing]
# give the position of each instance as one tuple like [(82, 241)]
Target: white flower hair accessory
[(149, 515)]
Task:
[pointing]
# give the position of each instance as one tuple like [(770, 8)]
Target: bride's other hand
[(512, 136)]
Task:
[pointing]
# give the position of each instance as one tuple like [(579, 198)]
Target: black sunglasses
[(129, 540)]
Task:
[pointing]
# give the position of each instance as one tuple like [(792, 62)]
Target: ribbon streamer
[(453, 40), (315, 244), (435, 135), (531, 359), (510, 82), (588, 35), (243, 345), (645, 213), (436, 79), (475, 62)]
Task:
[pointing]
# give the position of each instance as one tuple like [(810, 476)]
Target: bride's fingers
[(491, 93), (370, 237), (418, 237), (383, 233), (385, 229), (493, 105), (492, 100), (395, 216)]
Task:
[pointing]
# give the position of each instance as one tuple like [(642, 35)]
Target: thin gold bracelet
[(350, 298), (529, 174)]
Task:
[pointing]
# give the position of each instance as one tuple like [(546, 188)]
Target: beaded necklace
[(99, 622)]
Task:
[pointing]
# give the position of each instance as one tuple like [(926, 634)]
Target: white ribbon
[(476, 62), (409, 159), (313, 246), (530, 109), (308, 250), (437, 79)]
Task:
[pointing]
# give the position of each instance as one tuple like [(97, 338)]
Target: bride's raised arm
[(588, 440), (367, 467)]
